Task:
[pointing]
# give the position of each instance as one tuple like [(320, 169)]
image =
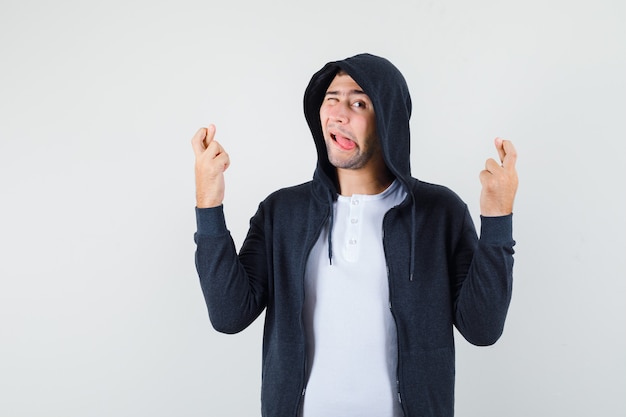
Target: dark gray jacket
[(440, 274)]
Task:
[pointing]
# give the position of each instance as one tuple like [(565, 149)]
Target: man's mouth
[(343, 142)]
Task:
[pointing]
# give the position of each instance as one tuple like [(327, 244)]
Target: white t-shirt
[(352, 352)]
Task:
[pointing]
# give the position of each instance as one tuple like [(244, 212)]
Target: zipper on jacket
[(303, 384), (394, 318), (397, 347)]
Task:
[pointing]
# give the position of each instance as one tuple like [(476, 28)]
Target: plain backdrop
[(101, 312)]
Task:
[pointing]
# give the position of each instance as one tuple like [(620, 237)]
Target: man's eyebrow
[(337, 93)]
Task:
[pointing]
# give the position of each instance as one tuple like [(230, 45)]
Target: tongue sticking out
[(344, 143)]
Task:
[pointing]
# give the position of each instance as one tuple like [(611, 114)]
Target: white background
[(101, 312)]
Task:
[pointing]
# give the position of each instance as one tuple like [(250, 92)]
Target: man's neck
[(363, 182)]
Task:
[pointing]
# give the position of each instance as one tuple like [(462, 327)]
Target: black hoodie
[(440, 274)]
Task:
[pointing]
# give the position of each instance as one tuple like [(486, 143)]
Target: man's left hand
[(499, 181)]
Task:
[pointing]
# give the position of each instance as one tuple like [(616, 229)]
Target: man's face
[(349, 125)]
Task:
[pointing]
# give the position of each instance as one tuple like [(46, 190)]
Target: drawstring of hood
[(412, 254), (387, 89), (331, 223)]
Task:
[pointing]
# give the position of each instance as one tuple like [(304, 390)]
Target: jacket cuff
[(496, 229), (211, 221)]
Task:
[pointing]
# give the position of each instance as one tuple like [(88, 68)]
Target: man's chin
[(346, 163)]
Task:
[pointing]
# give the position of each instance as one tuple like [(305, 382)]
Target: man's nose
[(339, 113)]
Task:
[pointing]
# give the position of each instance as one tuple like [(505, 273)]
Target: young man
[(364, 270)]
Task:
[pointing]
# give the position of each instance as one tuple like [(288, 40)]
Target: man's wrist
[(205, 201)]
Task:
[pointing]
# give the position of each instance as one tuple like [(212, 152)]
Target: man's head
[(349, 126), (381, 128)]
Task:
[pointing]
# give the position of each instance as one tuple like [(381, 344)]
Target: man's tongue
[(344, 143)]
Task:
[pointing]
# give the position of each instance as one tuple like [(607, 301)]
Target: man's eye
[(359, 104)]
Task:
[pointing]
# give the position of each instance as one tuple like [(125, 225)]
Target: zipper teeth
[(393, 314), (302, 326)]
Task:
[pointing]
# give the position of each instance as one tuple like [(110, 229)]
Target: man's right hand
[(211, 162)]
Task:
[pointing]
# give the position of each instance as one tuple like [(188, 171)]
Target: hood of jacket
[(387, 89), (389, 93)]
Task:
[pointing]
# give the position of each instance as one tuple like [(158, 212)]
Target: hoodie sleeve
[(234, 287), (483, 294)]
